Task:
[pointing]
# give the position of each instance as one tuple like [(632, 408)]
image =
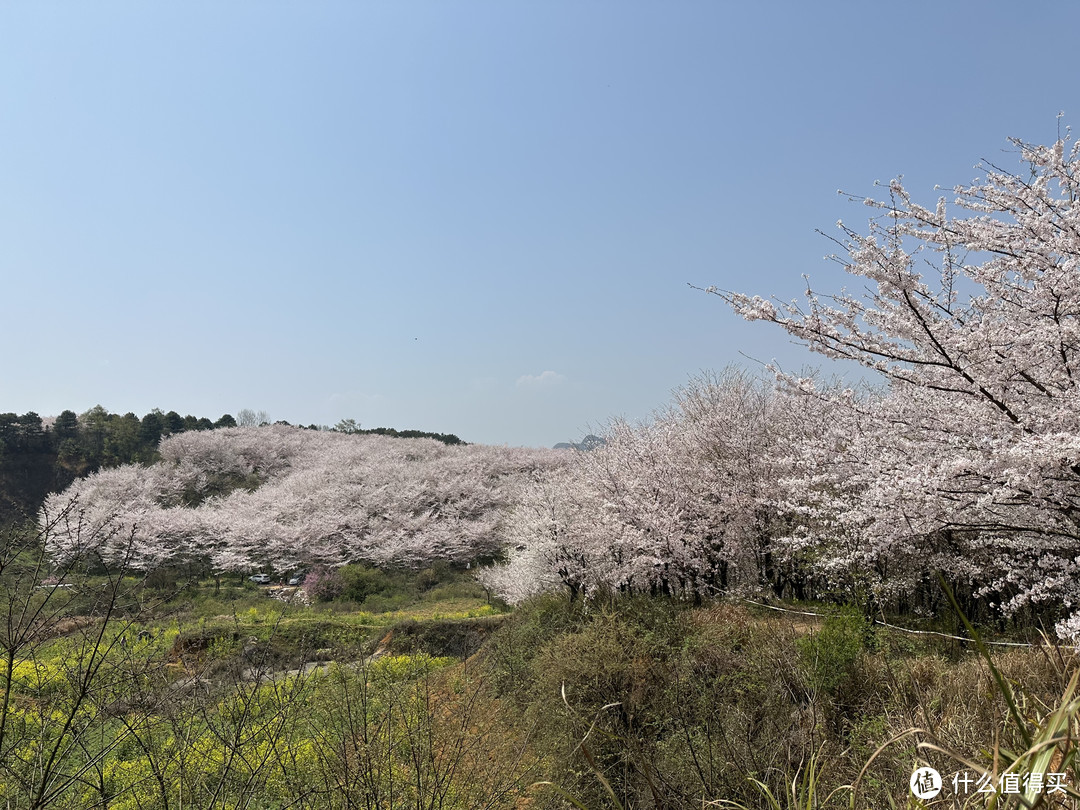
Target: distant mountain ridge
[(590, 442)]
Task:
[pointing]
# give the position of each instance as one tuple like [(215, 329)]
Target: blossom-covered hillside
[(281, 498)]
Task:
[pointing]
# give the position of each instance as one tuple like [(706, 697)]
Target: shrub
[(323, 584), (829, 655)]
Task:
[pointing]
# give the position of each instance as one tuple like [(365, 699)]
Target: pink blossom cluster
[(280, 498)]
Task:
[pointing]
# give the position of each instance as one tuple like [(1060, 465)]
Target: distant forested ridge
[(41, 456)]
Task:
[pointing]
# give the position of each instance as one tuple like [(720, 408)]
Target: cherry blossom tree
[(971, 462), (549, 538), (684, 504)]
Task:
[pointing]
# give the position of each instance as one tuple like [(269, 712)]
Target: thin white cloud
[(548, 379)]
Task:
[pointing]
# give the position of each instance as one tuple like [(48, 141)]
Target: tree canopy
[(971, 461)]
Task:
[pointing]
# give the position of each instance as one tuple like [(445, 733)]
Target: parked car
[(260, 579), (297, 580)]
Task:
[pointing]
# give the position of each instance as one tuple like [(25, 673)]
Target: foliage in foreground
[(678, 706), (109, 699)]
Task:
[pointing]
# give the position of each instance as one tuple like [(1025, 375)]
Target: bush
[(678, 703), (511, 651), (323, 584), (361, 581), (830, 655)]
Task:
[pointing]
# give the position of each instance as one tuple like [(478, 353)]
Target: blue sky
[(469, 217)]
